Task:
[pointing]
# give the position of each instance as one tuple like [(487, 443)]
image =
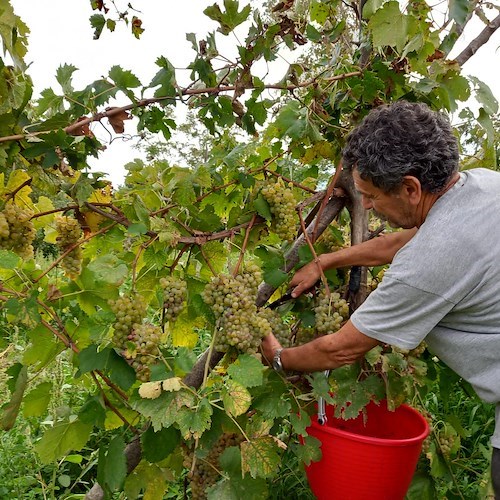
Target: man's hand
[(305, 278), (268, 347)]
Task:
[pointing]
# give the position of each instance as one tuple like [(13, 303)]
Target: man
[(444, 280)]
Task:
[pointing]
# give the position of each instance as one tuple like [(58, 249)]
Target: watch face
[(277, 361)]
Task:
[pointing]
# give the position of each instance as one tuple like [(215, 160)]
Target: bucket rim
[(326, 429)]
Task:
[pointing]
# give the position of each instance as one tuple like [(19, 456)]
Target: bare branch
[(478, 42)]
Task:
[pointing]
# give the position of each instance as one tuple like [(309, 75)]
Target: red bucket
[(372, 457)]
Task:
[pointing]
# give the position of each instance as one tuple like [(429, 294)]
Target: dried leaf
[(116, 120), (83, 129)]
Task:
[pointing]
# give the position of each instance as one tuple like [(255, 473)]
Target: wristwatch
[(277, 364)]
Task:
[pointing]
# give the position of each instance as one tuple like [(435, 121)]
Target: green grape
[(128, 312), (206, 470), (304, 335), (330, 312), (174, 296), (69, 232), (282, 203), (232, 300), (280, 330), (16, 230), (146, 338), (4, 227), (419, 350)]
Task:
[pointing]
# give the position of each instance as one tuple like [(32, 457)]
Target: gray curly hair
[(399, 139)]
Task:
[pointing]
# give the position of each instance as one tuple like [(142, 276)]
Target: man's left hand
[(268, 347)]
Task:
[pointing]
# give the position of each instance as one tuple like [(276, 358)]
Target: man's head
[(401, 154)]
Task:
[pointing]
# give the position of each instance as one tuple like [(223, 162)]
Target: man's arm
[(325, 353), (375, 252)]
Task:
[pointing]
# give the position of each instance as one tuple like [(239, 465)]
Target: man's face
[(391, 207)]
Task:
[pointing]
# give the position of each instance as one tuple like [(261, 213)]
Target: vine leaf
[(309, 451), (184, 330), (300, 423), (43, 347), (236, 398), (260, 457), (459, 9), (237, 488), (159, 410), (10, 411), (389, 26), (159, 445), (231, 18), (57, 441), (112, 466), (117, 120), (152, 480), (9, 260), (247, 370), (193, 422), (37, 400), (16, 180), (164, 80)]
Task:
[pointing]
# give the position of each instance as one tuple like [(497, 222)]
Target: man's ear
[(411, 189)]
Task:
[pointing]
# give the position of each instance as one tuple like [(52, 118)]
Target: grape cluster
[(206, 471), (330, 312), (174, 296), (69, 232), (136, 341), (232, 300), (445, 444), (145, 338), (282, 204), (304, 335), (281, 330), (419, 350), (16, 230), (129, 311), (375, 280), (330, 240)]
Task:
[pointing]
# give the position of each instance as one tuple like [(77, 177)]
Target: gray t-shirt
[(444, 286)]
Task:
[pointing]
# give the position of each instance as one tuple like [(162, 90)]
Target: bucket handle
[(322, 418)]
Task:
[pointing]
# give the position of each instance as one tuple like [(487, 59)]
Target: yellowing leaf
[(44, 204), (183, 330), (236, 398), (150, 479), (16, 180), (93, 219), (150, 390), (259, 457), (172, 384)]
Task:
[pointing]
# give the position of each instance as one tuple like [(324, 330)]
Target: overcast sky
[(61, 33)]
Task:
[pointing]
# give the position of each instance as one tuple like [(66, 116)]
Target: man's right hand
[(306, 277)]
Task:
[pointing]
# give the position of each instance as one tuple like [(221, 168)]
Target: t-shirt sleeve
[(399, 314)]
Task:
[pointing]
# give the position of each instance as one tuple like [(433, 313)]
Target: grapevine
[(16, 230), (232, 299), (282, 204), (69, 232), (174, 296)]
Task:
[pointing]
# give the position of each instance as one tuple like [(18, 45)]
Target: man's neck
[(428, 199)]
